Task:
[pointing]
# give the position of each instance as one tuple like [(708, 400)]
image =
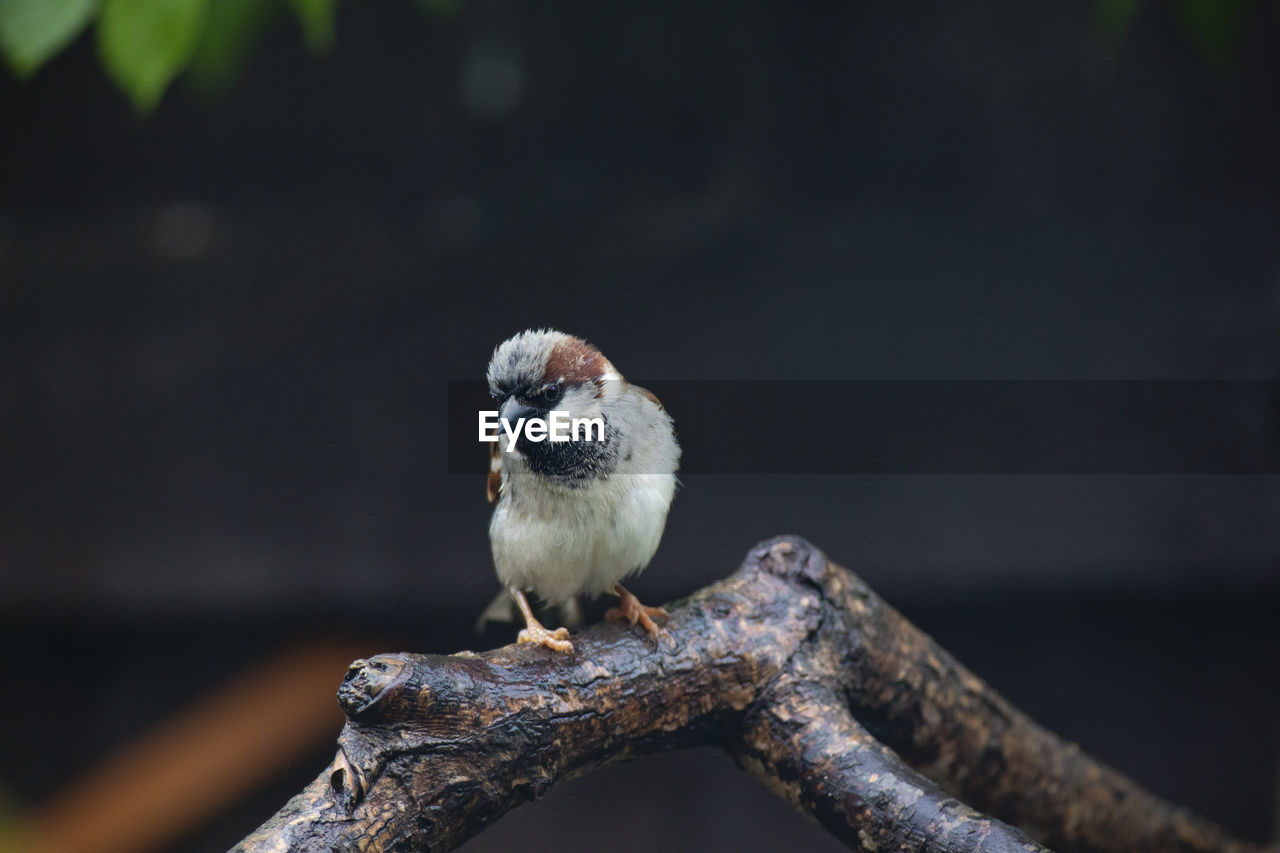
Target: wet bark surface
[(809, 679)]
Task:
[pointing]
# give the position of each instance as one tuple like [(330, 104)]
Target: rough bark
[(813, 682)]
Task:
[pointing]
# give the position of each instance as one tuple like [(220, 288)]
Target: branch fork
[(792, 664)]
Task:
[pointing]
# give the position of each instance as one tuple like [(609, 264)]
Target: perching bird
[(576, 517)]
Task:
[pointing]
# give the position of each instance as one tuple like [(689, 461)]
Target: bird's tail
[(502, 609)]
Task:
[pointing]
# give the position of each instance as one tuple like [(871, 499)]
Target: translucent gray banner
[(946, 427)]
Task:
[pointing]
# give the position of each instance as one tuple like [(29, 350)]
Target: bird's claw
[(557, 640), (631, 611), (642, 614)]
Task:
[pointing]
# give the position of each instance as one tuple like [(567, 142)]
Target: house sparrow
[(576, 517)]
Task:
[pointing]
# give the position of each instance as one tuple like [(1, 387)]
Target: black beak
[(513, 411)]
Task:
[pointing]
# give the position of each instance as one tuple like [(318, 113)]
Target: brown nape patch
[(575, 361)]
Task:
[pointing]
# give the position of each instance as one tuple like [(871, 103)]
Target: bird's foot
[(631, 611), (557, 640)]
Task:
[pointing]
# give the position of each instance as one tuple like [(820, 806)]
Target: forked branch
[(812, 681)]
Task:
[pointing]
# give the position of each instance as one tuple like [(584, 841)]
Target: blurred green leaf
[(1113, 17), (145, 43), (33, 31), (1214, 25), (11, 834), (317, 22), (231, 30), (441, 8), (11, 840)]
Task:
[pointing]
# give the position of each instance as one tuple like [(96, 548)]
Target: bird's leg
[(535, 633), (631, 611)]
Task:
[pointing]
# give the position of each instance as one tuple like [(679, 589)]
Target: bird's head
[(540, 371)]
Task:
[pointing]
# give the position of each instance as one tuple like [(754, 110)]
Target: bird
[(575, 517)]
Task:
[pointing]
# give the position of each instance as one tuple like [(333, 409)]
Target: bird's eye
[(552, 393)]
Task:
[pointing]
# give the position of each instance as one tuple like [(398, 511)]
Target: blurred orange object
[(188, 768)]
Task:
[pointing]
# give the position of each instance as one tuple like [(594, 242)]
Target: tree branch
[(801, 741), (811, 680)]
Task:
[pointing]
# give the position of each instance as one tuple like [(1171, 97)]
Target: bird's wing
[(493, 485), (652, 396)]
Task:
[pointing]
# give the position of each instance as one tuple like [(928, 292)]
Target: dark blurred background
[(227, 331)]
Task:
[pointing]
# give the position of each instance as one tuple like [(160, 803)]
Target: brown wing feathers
[(493, 484)]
